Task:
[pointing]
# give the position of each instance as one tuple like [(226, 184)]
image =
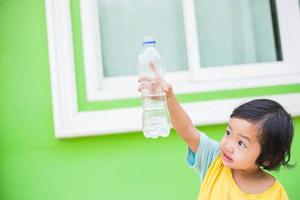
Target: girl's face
[(240, 145)]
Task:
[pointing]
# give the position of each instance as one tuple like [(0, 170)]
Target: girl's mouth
[(226, 158)]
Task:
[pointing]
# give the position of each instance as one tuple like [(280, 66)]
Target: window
[(206, 46), (226, 42)]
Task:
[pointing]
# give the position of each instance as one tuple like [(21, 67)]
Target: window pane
[(237, 32), (123, 25)]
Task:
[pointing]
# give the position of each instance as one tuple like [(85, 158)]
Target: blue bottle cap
[(149, 40)]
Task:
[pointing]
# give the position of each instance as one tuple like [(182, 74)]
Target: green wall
[(34, 165)]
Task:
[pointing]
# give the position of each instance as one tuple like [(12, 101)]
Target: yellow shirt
[(219, 184)]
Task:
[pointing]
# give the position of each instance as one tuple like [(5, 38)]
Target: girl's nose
[(228, 148)]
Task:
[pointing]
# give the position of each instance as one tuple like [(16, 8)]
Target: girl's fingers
[(167, 88), (144, 85), (154, 85), (155, 70), (144, 78)]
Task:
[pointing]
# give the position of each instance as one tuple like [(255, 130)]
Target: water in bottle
[(155, 116)]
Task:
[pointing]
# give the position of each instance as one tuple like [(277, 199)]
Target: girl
[(258, 138)]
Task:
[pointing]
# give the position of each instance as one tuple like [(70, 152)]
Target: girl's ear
[(266, 163)]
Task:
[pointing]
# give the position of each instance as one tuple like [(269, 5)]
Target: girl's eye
[(227, 132), (242, 144)]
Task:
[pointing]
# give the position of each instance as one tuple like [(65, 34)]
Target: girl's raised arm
[(180, 120)]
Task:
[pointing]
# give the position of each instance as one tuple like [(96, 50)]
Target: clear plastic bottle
[(155, 117)]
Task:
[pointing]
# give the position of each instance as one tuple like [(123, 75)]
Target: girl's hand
[(155, 85)]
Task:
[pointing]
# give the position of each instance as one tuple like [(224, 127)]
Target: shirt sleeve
[(207, 151)]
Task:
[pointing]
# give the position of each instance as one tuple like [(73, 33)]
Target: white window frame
[(211, 78), (70, 122)]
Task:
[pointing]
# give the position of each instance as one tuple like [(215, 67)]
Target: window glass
[(237, 32), (123, 25)]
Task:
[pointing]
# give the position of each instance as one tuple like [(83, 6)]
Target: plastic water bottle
[(155, 116)]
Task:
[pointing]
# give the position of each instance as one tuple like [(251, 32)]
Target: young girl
[(258, 138)]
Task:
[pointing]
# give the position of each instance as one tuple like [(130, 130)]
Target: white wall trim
[(201, 113), (69, 122)]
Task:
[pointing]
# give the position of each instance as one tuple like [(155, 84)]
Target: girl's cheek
[(221, 144), (223, 141)]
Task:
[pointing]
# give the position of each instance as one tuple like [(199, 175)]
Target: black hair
[(276, 131)]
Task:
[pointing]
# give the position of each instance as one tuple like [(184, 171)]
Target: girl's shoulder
[(220, 184), (264, 186)]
